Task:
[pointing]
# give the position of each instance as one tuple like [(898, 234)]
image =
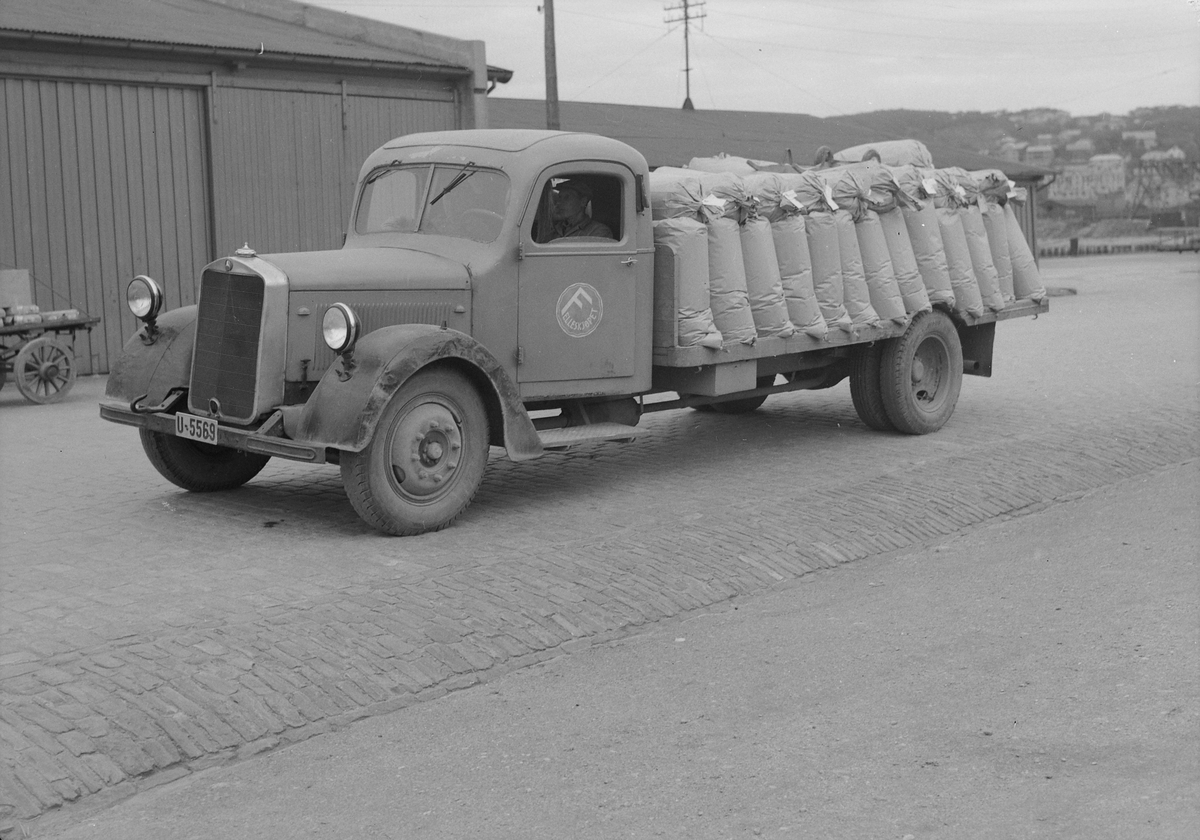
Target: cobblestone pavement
[(146, 633)]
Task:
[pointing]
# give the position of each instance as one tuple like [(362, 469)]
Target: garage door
[(104, 181)]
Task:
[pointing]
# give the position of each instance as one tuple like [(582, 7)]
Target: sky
[(833, 57)]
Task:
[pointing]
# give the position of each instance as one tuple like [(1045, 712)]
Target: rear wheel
[(866, 390), (921, 374), (200, 467), (426, 459)]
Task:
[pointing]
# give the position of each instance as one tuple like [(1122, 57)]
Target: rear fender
[(154, 369), (342, 413)]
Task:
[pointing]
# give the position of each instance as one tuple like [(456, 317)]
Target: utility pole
[(689, 10), (552, 121)]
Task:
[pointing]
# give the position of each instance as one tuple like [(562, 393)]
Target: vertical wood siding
[(101, 182)]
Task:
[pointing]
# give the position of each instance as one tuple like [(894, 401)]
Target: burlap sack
[(877, 266), (855, 295), (826, 255), (796, 274), (1027, 280), (682, 314), (904, 262), (764, 286)]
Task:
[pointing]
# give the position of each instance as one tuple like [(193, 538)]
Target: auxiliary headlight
[(340, 328), (144, 297)]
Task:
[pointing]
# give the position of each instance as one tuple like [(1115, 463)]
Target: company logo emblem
[(580, 309)]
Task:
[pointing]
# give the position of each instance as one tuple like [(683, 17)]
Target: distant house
[(1040, 155), (1172, 154), (1092, 189), (1079, 150), (1147, 139)]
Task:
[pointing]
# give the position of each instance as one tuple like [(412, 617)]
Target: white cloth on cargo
[(727, 163), (682, 314), (891, 153)]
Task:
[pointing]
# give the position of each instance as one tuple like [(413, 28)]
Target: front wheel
[(200, 467), (426, 459), (921, 374)]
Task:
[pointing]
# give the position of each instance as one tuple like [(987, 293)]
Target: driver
[(570, 212)]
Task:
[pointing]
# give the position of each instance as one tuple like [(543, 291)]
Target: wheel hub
[(426, 449)]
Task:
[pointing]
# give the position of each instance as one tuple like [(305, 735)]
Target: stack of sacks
[(1027, 280), (820, 226), (891, 153), (886, 199), (782, 208), (924, 234), (682, 316), (722, 207), (883, 282), (994, 187), (950, 196), (764, 286), (849, 190), (971, 211)]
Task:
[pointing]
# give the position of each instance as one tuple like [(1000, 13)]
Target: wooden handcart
[(41, 356)]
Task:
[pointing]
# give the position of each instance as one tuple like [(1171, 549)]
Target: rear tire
[(921, 374), (866, 390), (200, 467), (426, 459)]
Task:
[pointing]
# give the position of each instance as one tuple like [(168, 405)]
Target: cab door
[(577, 295)]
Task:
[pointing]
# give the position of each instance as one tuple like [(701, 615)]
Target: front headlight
[(144, 297), (340, 328)]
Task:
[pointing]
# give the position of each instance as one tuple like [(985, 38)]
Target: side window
[(580, 205)]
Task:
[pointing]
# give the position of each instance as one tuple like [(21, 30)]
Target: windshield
[(448, 200)]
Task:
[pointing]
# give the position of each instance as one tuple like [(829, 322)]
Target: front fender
[(343, 414), (154, 369)]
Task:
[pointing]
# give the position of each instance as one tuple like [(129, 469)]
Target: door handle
[(630, 261)]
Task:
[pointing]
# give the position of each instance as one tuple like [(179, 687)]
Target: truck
[(450, 322)]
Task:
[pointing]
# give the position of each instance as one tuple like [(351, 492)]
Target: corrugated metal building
[(151, 136)]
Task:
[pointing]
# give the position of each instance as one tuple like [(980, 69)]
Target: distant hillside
[(971, 130)]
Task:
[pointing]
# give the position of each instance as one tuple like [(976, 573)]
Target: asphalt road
[(149, 636)]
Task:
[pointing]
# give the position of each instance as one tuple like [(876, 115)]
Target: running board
[(575, 435)]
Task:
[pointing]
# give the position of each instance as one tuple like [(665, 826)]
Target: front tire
[(200, 467), (426, 459), (921, 374)]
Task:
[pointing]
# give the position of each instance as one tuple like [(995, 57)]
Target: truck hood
[(370, 268)]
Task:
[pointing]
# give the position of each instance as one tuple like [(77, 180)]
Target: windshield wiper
[(458, 179)]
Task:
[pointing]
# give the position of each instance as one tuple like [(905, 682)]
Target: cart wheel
[(44, 370)]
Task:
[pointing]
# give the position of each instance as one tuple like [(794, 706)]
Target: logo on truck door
[(579, 310)]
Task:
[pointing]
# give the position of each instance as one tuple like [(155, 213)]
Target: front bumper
[(265, 439)]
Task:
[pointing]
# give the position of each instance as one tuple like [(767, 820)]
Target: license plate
[(196, 428)]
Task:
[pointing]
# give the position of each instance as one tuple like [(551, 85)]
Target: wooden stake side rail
[(684, 357)]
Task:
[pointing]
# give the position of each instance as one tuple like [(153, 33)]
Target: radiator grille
[(227, 333)]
